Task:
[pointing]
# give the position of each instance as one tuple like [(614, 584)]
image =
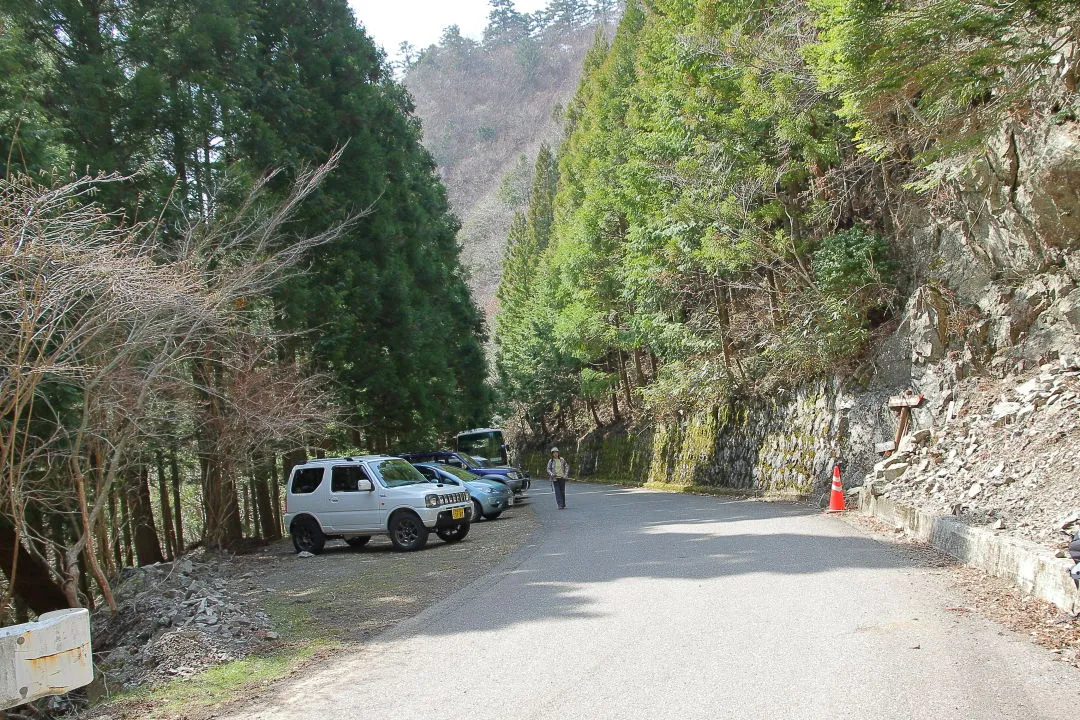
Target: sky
[(421, 22)]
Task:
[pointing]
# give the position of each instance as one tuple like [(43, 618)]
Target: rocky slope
[(1003, 453), (176, 619)]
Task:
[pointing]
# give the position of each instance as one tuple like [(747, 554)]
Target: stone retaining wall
[(1027, 565), (784, 445)]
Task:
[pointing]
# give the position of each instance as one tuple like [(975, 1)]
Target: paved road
[(635, 604)]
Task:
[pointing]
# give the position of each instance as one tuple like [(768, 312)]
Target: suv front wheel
[(407, 532), (307, 536)]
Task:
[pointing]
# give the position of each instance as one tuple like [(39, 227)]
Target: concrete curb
[(1030, 567)]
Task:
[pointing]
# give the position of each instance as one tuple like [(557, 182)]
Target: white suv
[(355, 498)]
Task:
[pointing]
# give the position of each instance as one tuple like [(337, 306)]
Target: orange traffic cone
[(836, 501)]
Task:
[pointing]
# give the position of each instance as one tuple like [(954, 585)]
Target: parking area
[(351, 594)]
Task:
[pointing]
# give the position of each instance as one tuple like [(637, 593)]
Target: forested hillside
[(223, 248), (487, 106), (727, 213)]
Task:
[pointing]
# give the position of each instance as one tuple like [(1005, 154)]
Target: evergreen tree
[(506, 26), (396, 326)]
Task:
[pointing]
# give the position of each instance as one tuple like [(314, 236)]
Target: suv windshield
[(460, 474), (397, 472)]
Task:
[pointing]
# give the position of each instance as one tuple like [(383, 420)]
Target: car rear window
[(306, 480)]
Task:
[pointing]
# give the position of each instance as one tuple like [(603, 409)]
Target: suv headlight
[(431, 501), (493, 491)]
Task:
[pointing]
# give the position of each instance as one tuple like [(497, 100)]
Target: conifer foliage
[(720, 218), (277, 275)]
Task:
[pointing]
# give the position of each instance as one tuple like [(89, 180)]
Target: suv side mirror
[(364, 485)]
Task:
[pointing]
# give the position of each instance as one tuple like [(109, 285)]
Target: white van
[(355, 498)]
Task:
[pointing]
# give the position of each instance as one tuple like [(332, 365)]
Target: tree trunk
[(125, 524), (275, 487), (245, 488), (256, 512), (117, 547), (722, 323), (627, 390), (28, 576), (178, 515), (264, 474), (103, 554), (223, 528), (84, 580), (610, 366), (166, 511), (147, 543), (638, 367), (288, 462), (592, 411)]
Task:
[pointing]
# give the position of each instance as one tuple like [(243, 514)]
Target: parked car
[(489, 497), (356, 498), (512, 477)]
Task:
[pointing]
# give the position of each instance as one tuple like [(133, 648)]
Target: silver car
[(489, 497)]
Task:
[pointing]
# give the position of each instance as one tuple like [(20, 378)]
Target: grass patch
[(215, 685), (290, 618)]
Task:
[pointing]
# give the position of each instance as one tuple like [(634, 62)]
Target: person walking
[(558, 470)]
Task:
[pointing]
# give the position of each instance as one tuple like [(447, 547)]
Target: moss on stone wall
[(784, 445)]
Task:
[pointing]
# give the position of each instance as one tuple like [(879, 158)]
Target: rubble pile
[(176, 619), (1003, 453)]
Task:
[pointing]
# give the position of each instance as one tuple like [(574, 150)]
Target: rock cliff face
[(993, 291)]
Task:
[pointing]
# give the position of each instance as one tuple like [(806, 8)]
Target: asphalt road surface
[(637, 604)]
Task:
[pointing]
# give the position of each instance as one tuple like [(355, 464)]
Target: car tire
[(454, 534), (307, 536), (358, 541), (407, 532), (493, 516), (477, 511)]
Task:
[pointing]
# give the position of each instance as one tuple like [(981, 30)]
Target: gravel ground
[(311, 610), (351, 594)]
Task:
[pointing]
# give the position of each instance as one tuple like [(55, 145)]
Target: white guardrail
[(48, 657)]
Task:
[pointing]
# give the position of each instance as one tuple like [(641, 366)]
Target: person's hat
[(555, 450)]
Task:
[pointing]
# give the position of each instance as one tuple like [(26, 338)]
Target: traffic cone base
[(836, 500)]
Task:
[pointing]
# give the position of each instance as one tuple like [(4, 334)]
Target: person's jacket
[(558, 467)]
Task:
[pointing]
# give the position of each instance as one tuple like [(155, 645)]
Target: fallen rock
[(895, 471), (1004, 412)]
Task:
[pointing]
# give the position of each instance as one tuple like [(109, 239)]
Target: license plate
[(458, 513), (510, 501)]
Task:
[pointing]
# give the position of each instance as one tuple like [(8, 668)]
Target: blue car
[(512, 477), (489, 497)]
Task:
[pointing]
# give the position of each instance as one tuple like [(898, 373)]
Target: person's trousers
[(560, 491)]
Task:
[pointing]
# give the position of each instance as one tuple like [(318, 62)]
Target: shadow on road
[(613, 535)]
